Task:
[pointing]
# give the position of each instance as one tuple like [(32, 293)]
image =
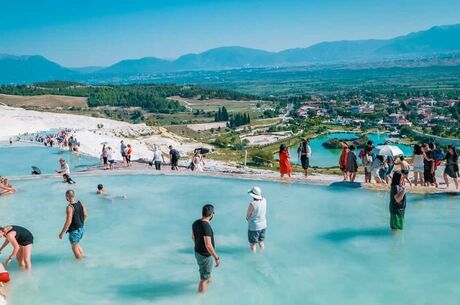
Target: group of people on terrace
[(426, 160)]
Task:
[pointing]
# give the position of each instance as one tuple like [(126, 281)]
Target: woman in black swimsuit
[(21, 239)]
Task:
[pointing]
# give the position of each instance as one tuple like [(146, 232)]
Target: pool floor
[(325, 245)]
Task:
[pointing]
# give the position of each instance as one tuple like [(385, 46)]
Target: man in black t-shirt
[(203, 237)]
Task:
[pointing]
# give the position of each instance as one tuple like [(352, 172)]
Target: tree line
[(150, 97)]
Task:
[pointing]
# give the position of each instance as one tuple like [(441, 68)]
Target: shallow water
[(325, 245), (324, 157), (17, 160)]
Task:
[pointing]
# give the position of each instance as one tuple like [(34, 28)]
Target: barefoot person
[(174, 157), (397, 202), (257, 221), (203, 237), (284, 161), (451, 169), (304, 152), (405, 168), (64, 167), (75, 220), (343, 160), (352, 164), (5, 187), (21, 239), (4, 278), (101, 190)]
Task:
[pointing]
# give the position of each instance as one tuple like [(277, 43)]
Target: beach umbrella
[(104, 143), (389, 150)]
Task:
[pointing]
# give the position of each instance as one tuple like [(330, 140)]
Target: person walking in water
[(21, 239), (257, 221), (304, 152), (284, 161), (74, 223), (203, 237), (397, 202)]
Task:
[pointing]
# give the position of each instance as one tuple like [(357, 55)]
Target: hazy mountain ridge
[(436, 40)]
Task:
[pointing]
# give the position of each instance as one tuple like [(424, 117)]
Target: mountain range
[(438, 40)]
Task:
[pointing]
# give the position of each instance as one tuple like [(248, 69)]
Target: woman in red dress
[(285, 163)]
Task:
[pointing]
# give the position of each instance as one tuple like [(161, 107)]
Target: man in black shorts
[(203, 237), (174, 156), (304, 152)]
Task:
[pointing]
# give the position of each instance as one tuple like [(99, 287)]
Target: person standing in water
[(257, 221), (304, 152), (74, 223), (21, 239), (284, 161), (65, 169), (203, 237), (397, 202)]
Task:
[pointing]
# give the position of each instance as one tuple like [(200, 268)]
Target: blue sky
[(101, 32)]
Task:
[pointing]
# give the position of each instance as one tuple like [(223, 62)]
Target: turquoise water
[(325, 245), (324, 157), (18, 160)]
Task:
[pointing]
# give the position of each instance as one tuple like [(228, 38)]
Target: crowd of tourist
[(379, 167)]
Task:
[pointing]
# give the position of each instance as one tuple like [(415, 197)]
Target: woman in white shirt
[(257, 221)]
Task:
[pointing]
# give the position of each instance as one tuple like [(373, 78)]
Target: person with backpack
[(174, 156)]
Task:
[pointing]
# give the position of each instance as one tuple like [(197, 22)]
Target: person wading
[(74, 223), (203, 237)]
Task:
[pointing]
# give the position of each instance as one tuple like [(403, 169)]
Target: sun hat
[(255, 192)]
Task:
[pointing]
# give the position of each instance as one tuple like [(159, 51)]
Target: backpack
[(438, 155), (175, 154)]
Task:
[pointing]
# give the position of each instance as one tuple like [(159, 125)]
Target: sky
[(76, 33)]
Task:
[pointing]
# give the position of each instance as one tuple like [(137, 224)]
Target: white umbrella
[(389, 150)]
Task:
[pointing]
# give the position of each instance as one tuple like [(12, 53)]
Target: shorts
[(111, 161), (174, 163), (204, 265), (396, 221), (104, 160), (305, 162), (75, 236), (4, 277), (255, 237)]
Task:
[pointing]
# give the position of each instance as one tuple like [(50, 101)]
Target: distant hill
[(29, 69), (439, 40)]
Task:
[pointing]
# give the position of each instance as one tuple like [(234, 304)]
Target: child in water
[(67, 179)]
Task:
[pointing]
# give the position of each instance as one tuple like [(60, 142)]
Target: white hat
[(255, 192)]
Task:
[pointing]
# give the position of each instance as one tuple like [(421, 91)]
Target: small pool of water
[(324, 157), (18, 159), (325, 245)]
